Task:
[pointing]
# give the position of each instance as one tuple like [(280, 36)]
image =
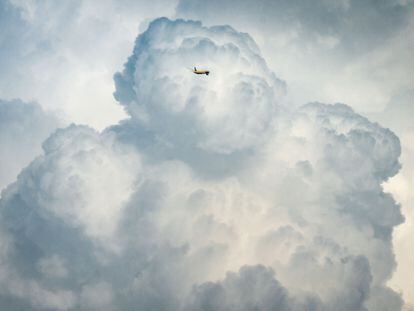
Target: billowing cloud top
[(293, 216), (216, 113)]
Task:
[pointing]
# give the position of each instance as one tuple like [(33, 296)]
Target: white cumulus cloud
[(213, 195)]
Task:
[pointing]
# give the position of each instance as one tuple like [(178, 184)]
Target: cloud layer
[(213, 195)]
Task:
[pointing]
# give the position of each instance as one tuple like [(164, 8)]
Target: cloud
[(216, 114), (23, 128), (355, 52), (256, 288), (332, 23), (327, 51), (214, 195), (253, 288), (63, 55)]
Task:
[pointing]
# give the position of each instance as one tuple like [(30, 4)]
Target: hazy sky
[(282, 181)]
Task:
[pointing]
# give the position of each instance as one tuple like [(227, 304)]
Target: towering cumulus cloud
[(213, 195), (230, 112)]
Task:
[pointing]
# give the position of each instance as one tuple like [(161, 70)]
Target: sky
[(282, 181)]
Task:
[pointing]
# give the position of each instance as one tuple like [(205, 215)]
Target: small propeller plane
[(201, 72)]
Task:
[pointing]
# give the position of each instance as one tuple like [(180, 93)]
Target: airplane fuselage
[(201, 72)]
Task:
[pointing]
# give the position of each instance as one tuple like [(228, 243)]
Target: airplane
[(201, 72)]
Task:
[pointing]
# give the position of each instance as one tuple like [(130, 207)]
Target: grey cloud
[(49, 52), (132, 214), (256, 288), (357, 25), (23, 128), (348, 51), (252, 288)]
